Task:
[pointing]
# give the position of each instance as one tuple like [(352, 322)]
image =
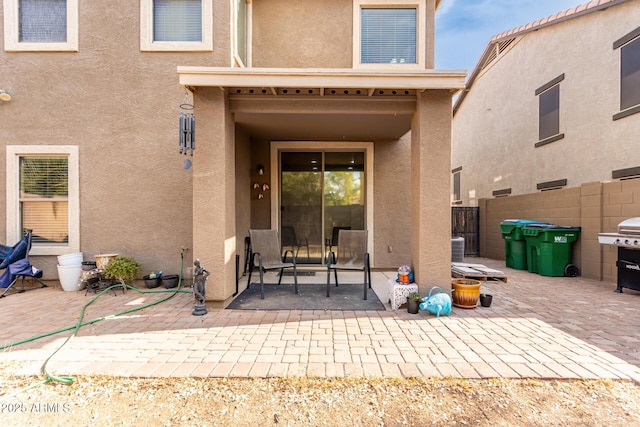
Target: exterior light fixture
[(5, 96), (260, 170)]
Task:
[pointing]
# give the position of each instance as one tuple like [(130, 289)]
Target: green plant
[(414, 296), (122, 269)]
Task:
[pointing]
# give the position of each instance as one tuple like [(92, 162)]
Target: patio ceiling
[(322, 104)]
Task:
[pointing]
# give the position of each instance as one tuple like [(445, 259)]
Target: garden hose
[(70, 380)]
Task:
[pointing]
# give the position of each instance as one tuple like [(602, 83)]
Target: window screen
[(388, 36), (549, 121), (630, 75), (177, 20), (44, 197), (42, 21)]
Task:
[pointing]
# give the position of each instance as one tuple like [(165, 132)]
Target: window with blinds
[(42, 21), (44, 198), (177, 20), (388, 36)]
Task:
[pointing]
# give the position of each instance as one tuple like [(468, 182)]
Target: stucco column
[(214, 192), (430, 190)]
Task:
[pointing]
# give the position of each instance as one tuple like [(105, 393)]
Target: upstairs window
[(41, 25), (629, 46), (549, 112), (387, 33), (388, 36), (175, 25)]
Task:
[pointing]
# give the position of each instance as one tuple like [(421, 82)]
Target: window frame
[(12, 41), (13, 232), (628, 39), (147, 44), (540, 93), (456, 179), (419, 5)]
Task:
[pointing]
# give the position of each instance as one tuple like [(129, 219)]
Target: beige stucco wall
[(496, 127), (302, 34), (120, 106)]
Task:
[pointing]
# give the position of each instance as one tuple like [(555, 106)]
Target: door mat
[(309, 297)]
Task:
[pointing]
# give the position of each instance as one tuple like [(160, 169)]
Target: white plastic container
[(69, 277), (70, 259)]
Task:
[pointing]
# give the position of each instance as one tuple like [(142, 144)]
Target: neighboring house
[(309, 114), (551, 104), (547, 129)]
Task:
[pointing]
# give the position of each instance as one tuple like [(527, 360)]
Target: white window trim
[(421, 8), (146, 31), (12, 28), (13, 189)]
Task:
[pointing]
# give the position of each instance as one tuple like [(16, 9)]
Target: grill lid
[(629, 226)]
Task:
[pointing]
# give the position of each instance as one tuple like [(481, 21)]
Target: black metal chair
[(267, 255), (330, 243), (352, 255), (290, 240)]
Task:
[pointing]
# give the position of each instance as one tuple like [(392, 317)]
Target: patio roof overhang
[(322, 104)]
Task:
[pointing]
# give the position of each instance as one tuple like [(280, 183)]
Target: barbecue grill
[(627, 239)]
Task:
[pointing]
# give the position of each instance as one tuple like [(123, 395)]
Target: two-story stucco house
[(547, 128), (308, 115)]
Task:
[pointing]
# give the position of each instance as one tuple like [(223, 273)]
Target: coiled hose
[(70, 380)]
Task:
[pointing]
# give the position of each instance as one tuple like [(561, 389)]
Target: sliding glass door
[(320, 193)]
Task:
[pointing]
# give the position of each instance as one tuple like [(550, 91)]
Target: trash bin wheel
[(571, 270)]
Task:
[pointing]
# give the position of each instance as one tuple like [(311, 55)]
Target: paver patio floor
[(537, 327)]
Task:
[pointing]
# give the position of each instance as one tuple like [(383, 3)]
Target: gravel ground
[(296, 401)]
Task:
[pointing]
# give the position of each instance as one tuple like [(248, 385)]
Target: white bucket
[(69, 277), (70, 259)]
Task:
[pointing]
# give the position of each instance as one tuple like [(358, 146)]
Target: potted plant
[(485, 300), (123, 269), (465, 292), (413, 302)]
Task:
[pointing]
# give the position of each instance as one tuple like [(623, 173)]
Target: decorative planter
[(466, 293), (170, 281), (413, 306), (485, 300), (151, 283)]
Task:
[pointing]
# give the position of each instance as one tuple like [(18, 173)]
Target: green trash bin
[(549, 249), (515, 247)]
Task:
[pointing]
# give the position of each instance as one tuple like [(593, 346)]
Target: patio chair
[(267, 255), (15, 261), (351, 255), (289, 239), (330, 243)]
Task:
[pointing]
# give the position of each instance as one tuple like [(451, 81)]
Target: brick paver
[(537, 327)]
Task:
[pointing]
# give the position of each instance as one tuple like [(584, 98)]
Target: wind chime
[(187, 135)]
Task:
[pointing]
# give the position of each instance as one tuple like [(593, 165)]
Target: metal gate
[(465, 223)]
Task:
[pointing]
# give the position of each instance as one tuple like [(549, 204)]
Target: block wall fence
[(595, 207)]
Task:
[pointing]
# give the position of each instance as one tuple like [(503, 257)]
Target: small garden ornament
[(437, 303), (200, 275)]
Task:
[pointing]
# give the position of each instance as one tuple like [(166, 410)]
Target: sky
[(464, 27)]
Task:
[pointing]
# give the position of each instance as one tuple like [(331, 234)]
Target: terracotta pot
[(465, 293)]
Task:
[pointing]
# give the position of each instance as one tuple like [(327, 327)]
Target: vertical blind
[(388, 36), (42, 21), (44, 197), (177, 20)]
